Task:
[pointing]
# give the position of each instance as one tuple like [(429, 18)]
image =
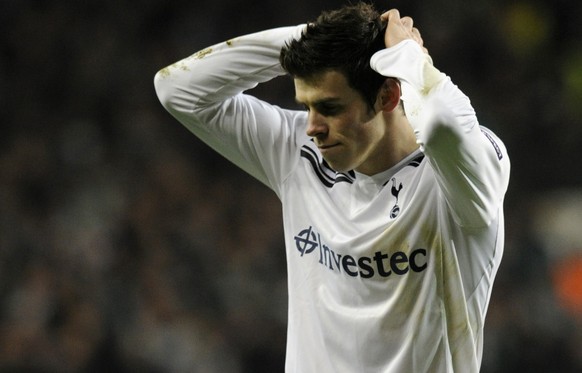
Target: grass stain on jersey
[(202, 53), (166, 71)]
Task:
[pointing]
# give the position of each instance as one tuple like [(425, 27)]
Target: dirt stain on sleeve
[(202, 53), (166, 71)]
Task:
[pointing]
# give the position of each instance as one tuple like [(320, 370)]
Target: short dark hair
[(344, 39)]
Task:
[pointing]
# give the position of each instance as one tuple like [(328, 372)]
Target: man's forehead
[(327, 86)]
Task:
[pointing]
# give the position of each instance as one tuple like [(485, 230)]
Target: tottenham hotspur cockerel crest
[(395, 191)]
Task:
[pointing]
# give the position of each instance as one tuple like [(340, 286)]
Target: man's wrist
[(407, 61)]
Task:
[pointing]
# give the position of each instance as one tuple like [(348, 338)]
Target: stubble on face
[(341, 123)]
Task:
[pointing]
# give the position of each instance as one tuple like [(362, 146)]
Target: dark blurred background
[(127, 245)]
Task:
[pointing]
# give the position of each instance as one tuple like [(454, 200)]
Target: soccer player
[(391, 191)]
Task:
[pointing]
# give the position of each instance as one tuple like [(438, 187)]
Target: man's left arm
[(470, 162)]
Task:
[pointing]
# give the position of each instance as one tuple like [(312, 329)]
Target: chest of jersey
[(362, 227)]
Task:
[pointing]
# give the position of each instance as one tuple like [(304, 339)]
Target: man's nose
[(316, 124)]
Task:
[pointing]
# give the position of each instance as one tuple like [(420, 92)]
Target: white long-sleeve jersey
[(386, 273)]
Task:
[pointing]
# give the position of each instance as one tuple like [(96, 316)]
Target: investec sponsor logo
[(381, 264)]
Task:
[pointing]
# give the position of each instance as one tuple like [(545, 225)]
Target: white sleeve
[(205, 93), (470, 163)]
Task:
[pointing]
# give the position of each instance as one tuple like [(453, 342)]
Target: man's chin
[(338, 167)]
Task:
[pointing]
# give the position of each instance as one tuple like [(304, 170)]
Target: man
[(391, 191)]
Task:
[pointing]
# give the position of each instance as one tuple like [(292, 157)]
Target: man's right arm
[(223, 70), (204, 92)]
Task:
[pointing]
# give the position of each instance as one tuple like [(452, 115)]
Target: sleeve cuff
[(407, 62)]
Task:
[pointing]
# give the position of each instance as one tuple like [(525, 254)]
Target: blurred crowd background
[(127, 245)]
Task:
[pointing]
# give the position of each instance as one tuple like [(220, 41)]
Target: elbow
[(163, 87), (175, 92), (176, 96)]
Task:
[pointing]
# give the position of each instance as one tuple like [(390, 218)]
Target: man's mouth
[(327, 146)]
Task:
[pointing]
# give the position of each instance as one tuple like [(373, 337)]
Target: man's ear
[(389, 95)]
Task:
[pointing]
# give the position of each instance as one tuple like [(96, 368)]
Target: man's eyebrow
[(322, 101)]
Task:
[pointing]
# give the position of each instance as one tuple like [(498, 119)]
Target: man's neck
[(398, 142)]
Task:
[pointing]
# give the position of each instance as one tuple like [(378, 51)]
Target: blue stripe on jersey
[(416, 161), (326, 174)]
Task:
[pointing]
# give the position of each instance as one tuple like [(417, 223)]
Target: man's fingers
[(400, 29), (392, 14), (418, 39), (407, 22), (416, 35)]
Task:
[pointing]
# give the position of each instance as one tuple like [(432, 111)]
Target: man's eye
[(323, 109), (330, 110)]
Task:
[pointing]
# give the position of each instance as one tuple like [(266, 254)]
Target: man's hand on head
[(399, 29)]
